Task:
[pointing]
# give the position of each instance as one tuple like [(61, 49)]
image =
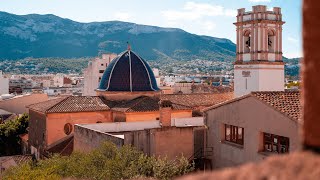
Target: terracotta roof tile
[(198, 100), (285, 102), (71, 104), (18, 159), (43, 106), (144, 104)]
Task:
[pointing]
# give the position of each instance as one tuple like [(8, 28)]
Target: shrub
[(106, 162)]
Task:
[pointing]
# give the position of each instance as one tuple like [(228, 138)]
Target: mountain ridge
[(38, 36)]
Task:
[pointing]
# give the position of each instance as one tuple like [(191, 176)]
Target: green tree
[(107, 162), (9, 135)]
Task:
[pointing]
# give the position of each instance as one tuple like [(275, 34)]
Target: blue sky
[(203, 17)]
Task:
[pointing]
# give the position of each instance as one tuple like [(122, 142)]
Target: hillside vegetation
[(41, 36)]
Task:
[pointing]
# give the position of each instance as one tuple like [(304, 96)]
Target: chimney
[(165, 113)]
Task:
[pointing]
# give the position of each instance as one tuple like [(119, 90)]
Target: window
[(234, 134), (67, 128), (101, 71), (101, 64), (275, 143), (99, 79), (106, 64)]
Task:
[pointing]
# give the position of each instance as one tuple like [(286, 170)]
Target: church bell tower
[(258, 65)]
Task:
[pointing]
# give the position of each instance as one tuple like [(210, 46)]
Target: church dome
[(128, 72)]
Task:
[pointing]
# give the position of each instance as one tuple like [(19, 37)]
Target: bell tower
[(258, 65)]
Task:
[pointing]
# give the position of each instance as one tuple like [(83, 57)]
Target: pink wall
[(56, 121)]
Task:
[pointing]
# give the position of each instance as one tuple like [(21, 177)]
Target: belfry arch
[(247, 41), (271, 40)]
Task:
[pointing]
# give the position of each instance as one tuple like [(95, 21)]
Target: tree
[(9, 135), (107, 162)]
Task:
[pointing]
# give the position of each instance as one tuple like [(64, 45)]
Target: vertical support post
[(311, 66)]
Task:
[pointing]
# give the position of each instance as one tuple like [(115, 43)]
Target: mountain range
[(41, 36)]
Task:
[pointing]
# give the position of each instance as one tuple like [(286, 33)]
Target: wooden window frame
[(234, 137), (275, 144)]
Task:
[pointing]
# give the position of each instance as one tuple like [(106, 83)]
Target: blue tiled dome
[(128, 72)]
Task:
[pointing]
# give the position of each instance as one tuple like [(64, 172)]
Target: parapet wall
[(86, 140)]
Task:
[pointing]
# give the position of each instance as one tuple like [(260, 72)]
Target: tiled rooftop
[(71, 104), (288, 103), (144, 104), (198, 100), (18, 159), (285, 102)]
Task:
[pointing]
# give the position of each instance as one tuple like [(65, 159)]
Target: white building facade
[(4, 84), (259, 65), (93, 73)]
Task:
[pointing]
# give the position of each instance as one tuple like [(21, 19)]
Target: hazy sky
[(203, 17)]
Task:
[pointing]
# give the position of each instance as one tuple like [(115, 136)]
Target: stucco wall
[(172, 142), (255, 117), (18, 104), (147, 116), (56, 122), (260, 77), (119, 117), (37, 128), (86, 140), (165, 141)]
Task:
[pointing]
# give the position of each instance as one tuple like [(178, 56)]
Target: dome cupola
[(128, 72)]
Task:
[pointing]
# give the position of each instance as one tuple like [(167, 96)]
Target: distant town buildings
[(4, 84), (18, 84), (60, 80), (93, 73)]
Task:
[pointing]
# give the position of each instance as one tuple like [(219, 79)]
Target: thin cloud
[(255, 1), (293, 40), (194, 11)]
